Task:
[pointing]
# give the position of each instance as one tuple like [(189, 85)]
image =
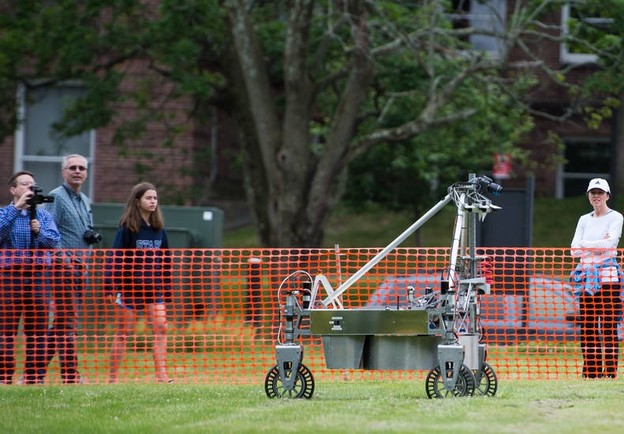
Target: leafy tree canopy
[(388, 88)]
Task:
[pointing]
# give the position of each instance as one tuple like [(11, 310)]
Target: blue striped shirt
[(15, 236), (72, 215)]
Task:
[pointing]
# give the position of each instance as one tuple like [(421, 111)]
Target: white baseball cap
[(600, 184)]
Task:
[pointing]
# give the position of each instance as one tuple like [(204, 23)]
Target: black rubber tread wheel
[(302, 388), (464, 386), (487, 383)]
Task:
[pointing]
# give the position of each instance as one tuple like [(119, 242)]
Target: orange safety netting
[(224, 309)]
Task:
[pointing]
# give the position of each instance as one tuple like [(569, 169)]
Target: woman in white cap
[(597, 282)]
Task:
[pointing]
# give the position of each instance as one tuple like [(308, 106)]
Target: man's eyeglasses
[(74, 168), (596, 192)]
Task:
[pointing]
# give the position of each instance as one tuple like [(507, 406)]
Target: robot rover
[(438, 331)]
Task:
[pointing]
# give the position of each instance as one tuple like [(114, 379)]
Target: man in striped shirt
[(26, 234), (71, 211)]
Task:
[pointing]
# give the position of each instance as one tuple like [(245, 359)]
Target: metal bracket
[(288, 359), (451, 358)]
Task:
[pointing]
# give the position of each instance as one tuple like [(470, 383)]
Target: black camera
[(38, 198), (490, 185), (91, 237)]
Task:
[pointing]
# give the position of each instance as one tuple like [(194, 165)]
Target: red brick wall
[(168, 167), (114, 168), (7, 154)]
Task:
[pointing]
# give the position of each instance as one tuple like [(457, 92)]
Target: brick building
[(584, 153), (175, 170)]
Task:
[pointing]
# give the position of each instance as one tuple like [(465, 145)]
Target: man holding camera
[(26, 232), (72, 213)]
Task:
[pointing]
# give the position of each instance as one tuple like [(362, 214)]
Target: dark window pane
[(587, 157)]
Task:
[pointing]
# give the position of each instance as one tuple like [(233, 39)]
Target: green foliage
[(603, 88), (93, 109), (442, 109), (404, 174), (186, 39), (439, 156)]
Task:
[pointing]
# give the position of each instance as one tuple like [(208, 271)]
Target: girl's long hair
[(131, 217)]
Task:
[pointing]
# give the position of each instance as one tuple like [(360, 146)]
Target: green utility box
[(187, 227)]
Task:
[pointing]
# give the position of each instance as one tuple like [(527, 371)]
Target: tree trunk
[(292, 202)]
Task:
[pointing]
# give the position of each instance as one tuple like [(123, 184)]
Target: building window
[(584, 159), (36, 147), (579, 22), (486, 18)]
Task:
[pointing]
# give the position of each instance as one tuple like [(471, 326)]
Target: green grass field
[(570, 406)]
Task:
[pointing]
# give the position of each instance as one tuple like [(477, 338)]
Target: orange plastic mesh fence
[(224, 309)]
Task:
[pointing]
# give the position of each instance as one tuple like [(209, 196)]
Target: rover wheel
[(486, 380), (464, 386), (303, 386)]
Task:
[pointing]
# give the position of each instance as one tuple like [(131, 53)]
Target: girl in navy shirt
[(141, 279)]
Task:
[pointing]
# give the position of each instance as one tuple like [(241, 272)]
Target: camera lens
[(494, 188), (91, 237)]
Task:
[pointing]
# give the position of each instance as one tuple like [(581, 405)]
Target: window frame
[(471, 17), (565, 55), (20, 158), (561, 175)]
